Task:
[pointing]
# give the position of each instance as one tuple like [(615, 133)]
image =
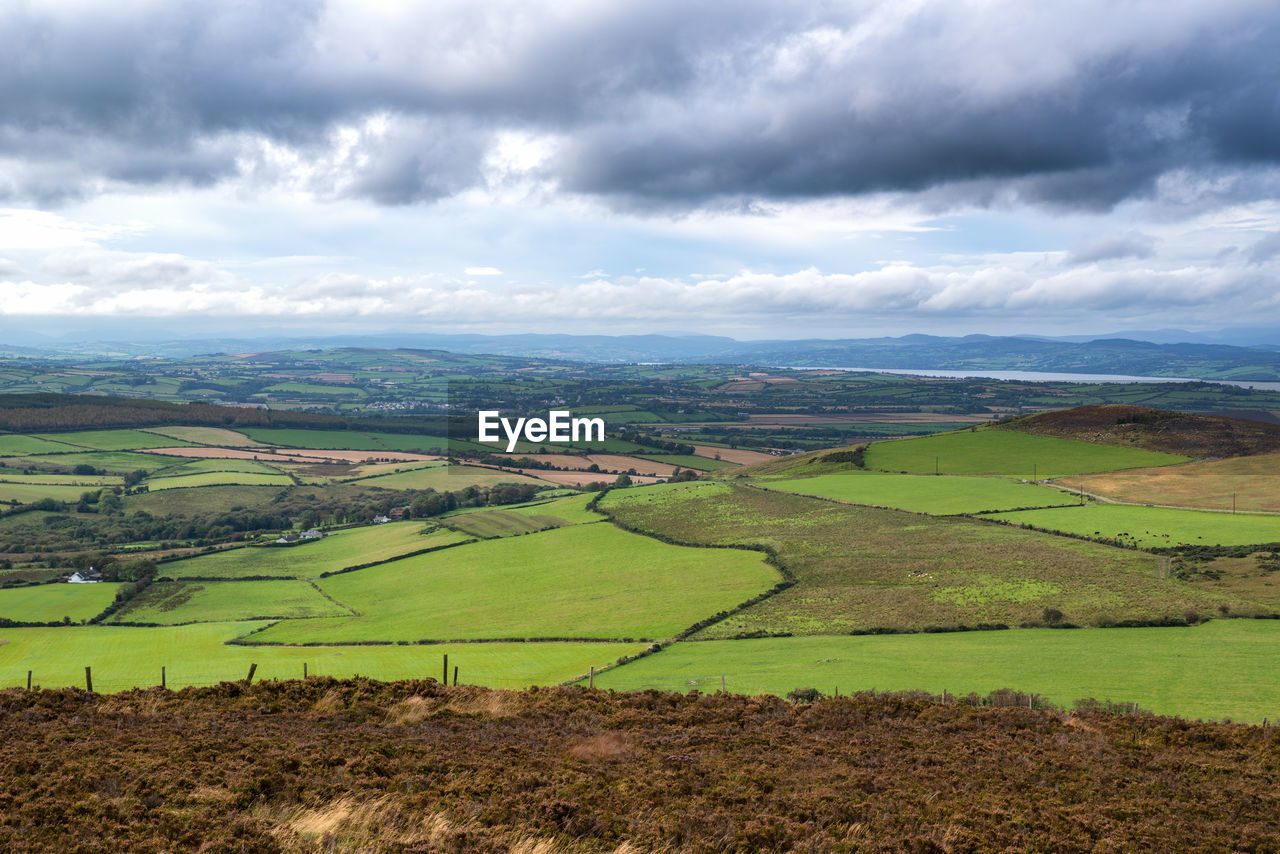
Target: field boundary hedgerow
[(417, 553), (771, 558)]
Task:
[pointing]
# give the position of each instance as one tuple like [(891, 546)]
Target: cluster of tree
[(654, 442), (490, 459), (112, 568), (434, 503)]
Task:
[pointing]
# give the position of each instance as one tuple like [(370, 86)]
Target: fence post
[(88, 679), (445, 679), (249, 679), (455, 675), (28, 680), (591, 677), (162, 677), (722, 690), (304, 670)]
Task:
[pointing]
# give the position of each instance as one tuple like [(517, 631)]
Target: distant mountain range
[(1105, 355)]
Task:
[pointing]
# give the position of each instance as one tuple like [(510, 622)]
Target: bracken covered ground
[(324, 765), (1154, 429)]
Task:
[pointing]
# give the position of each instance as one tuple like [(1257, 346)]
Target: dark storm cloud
[(660, 103)]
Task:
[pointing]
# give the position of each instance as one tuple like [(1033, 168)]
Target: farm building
[(85, 576)]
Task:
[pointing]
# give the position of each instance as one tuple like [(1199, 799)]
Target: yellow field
[(207, 436), (1208, 485)]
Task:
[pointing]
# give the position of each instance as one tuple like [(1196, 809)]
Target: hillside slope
[(327, 766), (1153, 429)]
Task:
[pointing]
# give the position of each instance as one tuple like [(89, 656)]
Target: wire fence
[(106, 680)]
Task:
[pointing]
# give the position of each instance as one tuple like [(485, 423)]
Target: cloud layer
[(653, 103)]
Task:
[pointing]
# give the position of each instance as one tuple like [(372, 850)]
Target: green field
[(1005, 452), (688, 461), (864, 568), (124, 657), (206, 499), (115, 462), (337, 440), (170, 603), (925, 493), (444, 478), (486, 523), (571, 509), (219, 478), (46, 603), (218, 465), (336, 551), (1168, 671), (13, 445), (28, 493), (316, 388), (85, 481), (586, 581), (1154, 526), (112, 440)]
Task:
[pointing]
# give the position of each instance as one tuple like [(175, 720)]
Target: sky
[(743, 168)]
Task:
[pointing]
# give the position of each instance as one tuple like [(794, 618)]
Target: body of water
[(1044, 376)]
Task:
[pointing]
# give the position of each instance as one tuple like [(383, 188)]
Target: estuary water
[(1045, 377)]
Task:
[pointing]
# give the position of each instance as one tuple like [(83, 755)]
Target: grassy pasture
[(861, 568), (206, 499), (315, 388), (588, 581), (112, 440), (444, 478), (115, 462), (219, 465), (27, 493), (49, 602), (1248, 482), (123, 657), (219, 478), (1004, 452), (1169, 671), (336, 551), (170, 603), (1154, 526), (925, 493), (218, 436), (570, 509), (488, 524), (337, 440), (14, 445), (87, 481)]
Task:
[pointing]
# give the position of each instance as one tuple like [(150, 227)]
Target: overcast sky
[(756, 169)]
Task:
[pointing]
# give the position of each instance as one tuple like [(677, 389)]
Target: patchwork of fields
[(768, 570)]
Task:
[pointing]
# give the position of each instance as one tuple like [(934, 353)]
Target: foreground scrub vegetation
[(324, 765)]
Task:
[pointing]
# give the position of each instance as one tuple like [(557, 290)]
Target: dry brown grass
[(462, 700), (350, 824), (607, 746), (733, 455), (571, 771), (146, 704), (331, 703), (1210, 484)]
